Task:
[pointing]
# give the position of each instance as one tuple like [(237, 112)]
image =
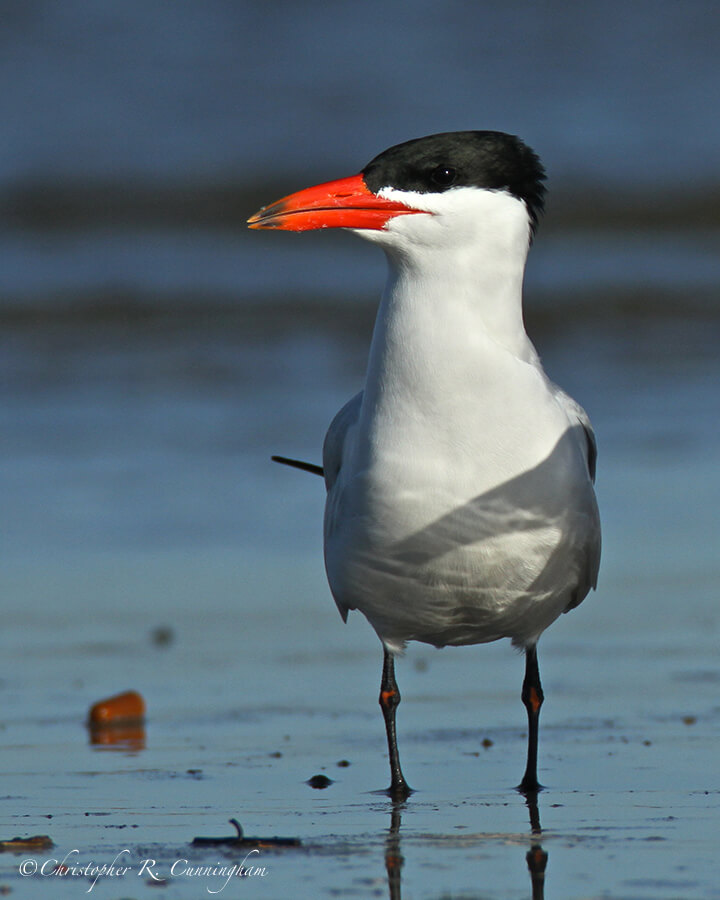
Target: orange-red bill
[(345, 203)]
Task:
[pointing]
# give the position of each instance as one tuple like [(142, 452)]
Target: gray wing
[(335, 438), (333, 453), (577, 415), (588, 445)]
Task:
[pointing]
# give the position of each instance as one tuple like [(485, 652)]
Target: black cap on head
[(439, 162)]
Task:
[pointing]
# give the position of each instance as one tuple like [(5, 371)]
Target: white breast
[(463, 510)]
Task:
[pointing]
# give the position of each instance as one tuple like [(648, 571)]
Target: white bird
[(460, 503)]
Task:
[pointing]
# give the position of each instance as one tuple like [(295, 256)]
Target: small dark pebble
[(319, 782), (162, 636), (343, 763), (486, 742)]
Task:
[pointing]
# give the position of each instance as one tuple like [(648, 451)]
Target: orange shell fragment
[(121, 708)]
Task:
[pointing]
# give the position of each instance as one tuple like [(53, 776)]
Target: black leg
[(532, 697), (389, 700)]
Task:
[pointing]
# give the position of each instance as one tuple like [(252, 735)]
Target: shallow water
[(154, 354), (139, 494)]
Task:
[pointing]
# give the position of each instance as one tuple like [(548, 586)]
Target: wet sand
[(139, 524), (154, 354)]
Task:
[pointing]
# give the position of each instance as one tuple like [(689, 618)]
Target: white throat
[(461, 267), (453, 297)]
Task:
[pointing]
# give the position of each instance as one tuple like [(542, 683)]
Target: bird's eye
[(443, 176)]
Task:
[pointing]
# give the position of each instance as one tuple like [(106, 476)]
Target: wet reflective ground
[(152, 545), (154, 354)]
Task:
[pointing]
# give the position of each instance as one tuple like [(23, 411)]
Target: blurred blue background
[(154, 351), (154, 354)]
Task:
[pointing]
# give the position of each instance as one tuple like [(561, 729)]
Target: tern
[(460, 502)]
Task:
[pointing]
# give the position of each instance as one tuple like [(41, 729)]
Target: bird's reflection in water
[(536, 857), (393, 857)]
